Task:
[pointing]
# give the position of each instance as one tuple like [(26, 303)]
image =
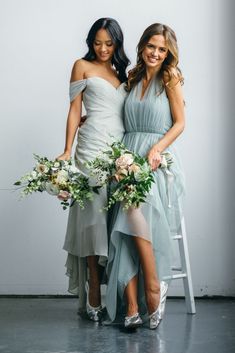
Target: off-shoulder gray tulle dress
[(146, 120), (87, 229)]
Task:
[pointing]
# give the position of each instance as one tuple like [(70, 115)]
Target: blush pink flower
[(124, 161), (120, 174), (134, 168), (63, 195)]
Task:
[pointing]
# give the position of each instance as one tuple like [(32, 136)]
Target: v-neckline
[(141, 95)]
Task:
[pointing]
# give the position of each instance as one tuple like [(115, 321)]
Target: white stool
[(184, 269)]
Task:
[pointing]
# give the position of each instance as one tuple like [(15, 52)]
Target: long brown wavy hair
[(170, 64)]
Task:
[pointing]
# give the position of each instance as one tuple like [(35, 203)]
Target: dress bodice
[(151, 113), (98, 93), (104, 106), (104, 116)]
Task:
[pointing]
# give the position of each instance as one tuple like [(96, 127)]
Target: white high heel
[(94, 313), (156, 317), (164, 288), (133, 321)]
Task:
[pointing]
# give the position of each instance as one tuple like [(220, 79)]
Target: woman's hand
[(82, 121), (154, 157), (64, 156)]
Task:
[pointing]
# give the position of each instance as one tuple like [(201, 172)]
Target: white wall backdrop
[(40, 40)]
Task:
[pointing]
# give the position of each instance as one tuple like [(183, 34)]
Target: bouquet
[(57, 177), (131, 174)]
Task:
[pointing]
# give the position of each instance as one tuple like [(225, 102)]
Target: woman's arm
[(176, 101), (75, 110)]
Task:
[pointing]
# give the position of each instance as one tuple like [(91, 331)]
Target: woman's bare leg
[(151, 281), (131, 297), (94, 281)]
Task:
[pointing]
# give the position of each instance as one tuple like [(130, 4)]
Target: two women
[(139, 263)]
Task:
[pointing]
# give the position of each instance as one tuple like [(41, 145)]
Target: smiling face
[(155, 52), (103, 46)]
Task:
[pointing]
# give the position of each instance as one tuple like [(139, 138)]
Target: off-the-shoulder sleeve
[(76, 88)]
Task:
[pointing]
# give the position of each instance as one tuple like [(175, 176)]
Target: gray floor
[(52, 326)]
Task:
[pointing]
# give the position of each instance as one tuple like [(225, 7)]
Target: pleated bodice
[(104, 116)]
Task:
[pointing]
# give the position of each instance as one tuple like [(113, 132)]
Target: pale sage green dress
[(145, 121), (87, 229)]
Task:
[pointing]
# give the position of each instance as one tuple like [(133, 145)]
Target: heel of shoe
[(155, 319), (164, 288), (133, 321), (94, 313)]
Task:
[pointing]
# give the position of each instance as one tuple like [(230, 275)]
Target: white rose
[(124, 161), (52, 189), (42, 168), (56, 164), (62, 177)]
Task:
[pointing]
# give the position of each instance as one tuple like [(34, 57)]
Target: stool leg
[(184, 255)]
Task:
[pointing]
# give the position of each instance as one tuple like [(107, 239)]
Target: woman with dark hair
[(96, 81), (139, 264)]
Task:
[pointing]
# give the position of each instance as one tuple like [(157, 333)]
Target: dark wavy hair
[(119, 60), (170, 64)]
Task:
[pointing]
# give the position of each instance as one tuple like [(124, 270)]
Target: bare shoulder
[(173, 81), (172, 77), (79, 69)]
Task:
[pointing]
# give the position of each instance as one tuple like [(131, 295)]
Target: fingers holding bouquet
[(131, 173), (157, 159), (154, 157)]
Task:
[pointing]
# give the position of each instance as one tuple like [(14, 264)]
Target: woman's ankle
[(152, 295), (94, 295), (132, 309)]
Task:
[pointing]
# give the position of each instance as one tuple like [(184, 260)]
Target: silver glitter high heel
[(94, 313), (156, 317), (133, 321)]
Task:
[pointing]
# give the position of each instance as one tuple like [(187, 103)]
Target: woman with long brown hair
[(140, 253)]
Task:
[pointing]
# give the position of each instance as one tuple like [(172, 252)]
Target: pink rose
[(120, 174), (63, 195), (124, 161), (134, 168)]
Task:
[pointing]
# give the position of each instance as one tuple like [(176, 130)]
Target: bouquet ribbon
[(169, 183)]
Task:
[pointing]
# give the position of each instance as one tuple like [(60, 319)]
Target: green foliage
[(59, 178), (129, 174)]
